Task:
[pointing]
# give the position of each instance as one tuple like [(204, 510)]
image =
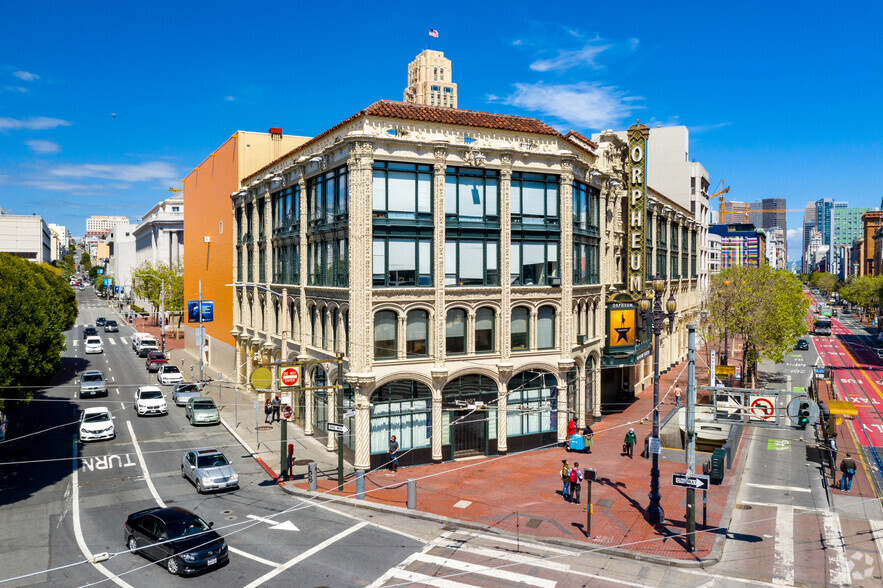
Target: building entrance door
[(469, 433)]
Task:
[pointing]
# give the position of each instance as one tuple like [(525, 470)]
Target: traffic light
[(803, 414), (803, 411)]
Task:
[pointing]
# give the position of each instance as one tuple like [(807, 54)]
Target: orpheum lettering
[(638, 135)]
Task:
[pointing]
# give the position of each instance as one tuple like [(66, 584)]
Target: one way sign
[(696, 481)]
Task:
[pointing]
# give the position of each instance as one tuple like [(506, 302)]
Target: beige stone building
[(462, 263), (430, 81)]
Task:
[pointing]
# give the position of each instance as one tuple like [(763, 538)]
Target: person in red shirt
[(571, 428)]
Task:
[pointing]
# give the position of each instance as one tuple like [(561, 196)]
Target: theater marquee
[(638, 135)]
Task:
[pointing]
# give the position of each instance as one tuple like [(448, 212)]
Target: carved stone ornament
[(439, 375), (565, 364), (360, 381), (505, 370)]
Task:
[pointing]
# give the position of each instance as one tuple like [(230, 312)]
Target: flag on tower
[(433, 33)]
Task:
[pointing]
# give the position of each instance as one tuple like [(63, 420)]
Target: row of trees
[(36, 306), (764, 307), (824, 281), (162, 285)]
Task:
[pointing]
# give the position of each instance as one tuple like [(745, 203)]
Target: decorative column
[(581, 395), (359, 165), (532, 329), (505, 371), (268, 236), (302, 265), (505, 257), (565, 189), (362, 386), (438, 236), (284, 334), (332, 396), (236, 374), (439, 377), (307, 377), (596, 388)]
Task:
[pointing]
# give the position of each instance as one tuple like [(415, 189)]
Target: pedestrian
[(576, 478), (571, 428), (393, 454), (847, 466), (589, 436), (276, 404), (677, 394), (565, 477), (832, 443), (268, 411), (629, 444)]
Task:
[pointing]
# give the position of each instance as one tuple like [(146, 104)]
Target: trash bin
[(717, 465)]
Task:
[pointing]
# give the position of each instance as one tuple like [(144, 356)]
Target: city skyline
[(82, 137)]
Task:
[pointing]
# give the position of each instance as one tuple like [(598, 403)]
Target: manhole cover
[(605, 502), (231, 518), (226, 511), (533, 523)]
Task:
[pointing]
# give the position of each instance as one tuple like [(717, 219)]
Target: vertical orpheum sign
[(638, 135)]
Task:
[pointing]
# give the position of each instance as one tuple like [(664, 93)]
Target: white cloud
[(34, 123), (705, 128), (567, 59), (795, 240), (38, 146), (142, 172), (15, 89), (73, 188), (26, 76), (230, 98), (582, 104)]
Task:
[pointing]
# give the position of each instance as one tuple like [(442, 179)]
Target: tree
[(36, 306), (152, 281), (824, 281), (765, 307), (866, 291)]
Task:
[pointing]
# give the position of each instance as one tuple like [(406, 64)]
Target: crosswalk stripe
[(502, 539), (416, 577), (123, 340), (834, 540), (877, 533), (513, 557), (472, 568), (76, 342), (784, 545), (112, 342)]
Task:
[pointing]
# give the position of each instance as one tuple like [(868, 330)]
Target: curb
[(253, 454)]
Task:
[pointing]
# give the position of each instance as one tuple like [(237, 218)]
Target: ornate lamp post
[(657, 317)]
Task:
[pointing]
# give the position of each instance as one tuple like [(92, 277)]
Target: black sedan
[(802, 345), (99, 322), (90, 332), (111, 327), (180, 540)]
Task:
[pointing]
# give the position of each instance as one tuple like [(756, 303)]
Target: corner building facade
[(460, 261)]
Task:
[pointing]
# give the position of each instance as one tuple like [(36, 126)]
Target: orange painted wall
[(208, 212)]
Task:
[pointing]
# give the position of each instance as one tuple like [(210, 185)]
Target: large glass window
[(401, 190), (661, 247), (402, 408), (455, 331), (471, 195), (402, 262), (262, 206), (533, 263), (385, 334), (546, 328), (417, 334), (520, 328), (485, 327), (532, 403), (675, 254), (471, 263), (586, 207), (327, 197), (534, 198)]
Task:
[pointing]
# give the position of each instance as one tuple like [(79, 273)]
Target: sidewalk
[(519, 493)]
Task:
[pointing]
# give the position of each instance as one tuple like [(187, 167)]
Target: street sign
[(762, 408), (337, 428), (286, 412), (349, 414), (261, 378), (289, 375), (725, 370), (696, 481), (655, 445), (193, 311)]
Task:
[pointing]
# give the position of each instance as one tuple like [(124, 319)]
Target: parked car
[(89, 332), (100, 321), (202, 411), (92, 383), (209, 469), (184, 391), (150, 400), (93, 345), (169, 374), (146, 344), (183, 542), (96, 423), (155, 359), (111, 327), (802, 345)]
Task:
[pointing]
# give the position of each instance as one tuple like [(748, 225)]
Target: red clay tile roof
[(435, 114), (581, 138)]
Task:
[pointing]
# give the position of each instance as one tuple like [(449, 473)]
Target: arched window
[(323, 316), (455, 331), (314, 326), (385, 334), (520, 328), (485, 340), (334, 320), (546, 328), (417, 334)]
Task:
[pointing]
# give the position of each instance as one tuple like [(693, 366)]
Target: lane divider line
[(143, 464)]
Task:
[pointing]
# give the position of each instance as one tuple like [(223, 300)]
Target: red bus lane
[(857, 382)]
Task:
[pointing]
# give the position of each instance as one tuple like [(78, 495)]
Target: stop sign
[(286, 412), (290, 376)]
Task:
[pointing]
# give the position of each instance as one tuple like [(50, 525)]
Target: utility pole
[(162, 313), (691, 434), (340, 420), (201, 338)]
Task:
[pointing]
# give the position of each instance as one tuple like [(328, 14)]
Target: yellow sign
[(261, 378), (637, 206), (725, 370), (622, 327)]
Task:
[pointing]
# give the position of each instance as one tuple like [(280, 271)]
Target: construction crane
[(723, 213), (176, 190)]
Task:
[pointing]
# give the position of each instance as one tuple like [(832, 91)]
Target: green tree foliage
[(865, 291), (765, 307), (149, 279), (824, 281), (36, 306)]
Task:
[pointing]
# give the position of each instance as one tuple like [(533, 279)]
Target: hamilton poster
[(622, 325)]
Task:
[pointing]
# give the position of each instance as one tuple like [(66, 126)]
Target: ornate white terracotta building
[(388, 237)]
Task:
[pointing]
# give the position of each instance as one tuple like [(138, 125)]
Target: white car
[(93, 345), (96, 423), (150, 400), (169, 374)]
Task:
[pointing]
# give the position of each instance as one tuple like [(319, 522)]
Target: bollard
[(412, 494), (311, 476), (360, 484)]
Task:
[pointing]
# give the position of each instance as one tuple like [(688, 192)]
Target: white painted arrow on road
[(283, 526)]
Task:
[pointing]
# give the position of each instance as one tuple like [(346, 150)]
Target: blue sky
[(782, 98)]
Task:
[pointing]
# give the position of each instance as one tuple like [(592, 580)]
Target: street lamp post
[(657, 317)]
